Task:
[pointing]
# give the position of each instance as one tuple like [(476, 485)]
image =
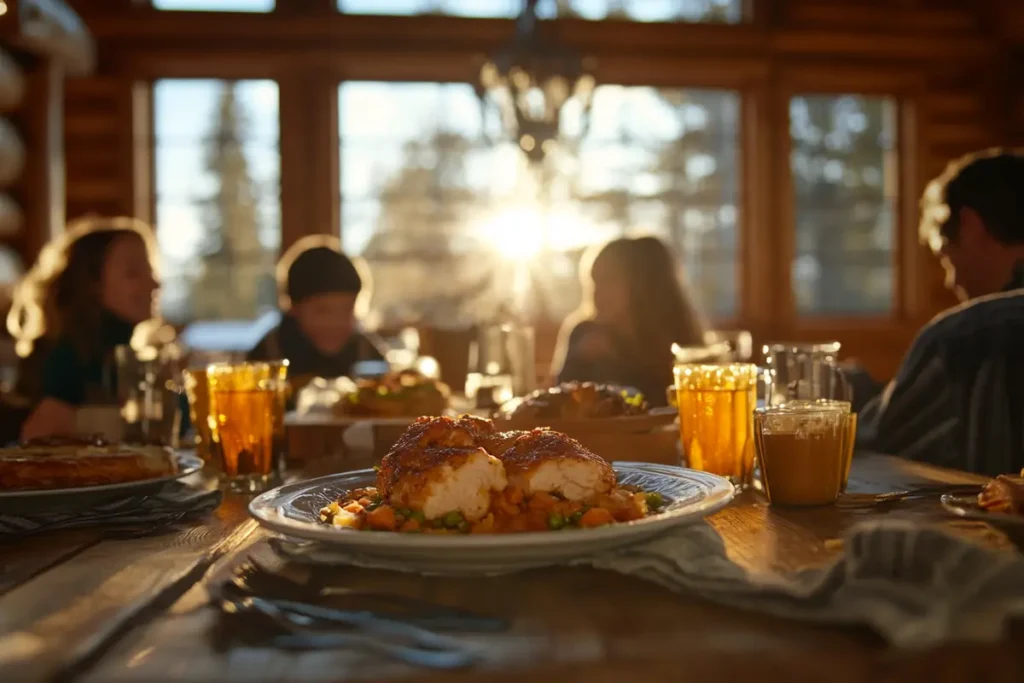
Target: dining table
[(90, 606)]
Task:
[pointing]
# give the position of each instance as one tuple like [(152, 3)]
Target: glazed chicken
[(462, 476), (437, 468), (551, 462)]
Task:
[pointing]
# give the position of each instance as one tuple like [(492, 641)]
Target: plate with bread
[(66, 466)]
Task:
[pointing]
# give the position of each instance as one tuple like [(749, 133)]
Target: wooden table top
[(78, 606)]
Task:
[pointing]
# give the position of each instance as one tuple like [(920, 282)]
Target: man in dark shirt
[(319, 289), (958, 398)]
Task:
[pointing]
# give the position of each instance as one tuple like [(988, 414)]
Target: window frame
[(906, 88)]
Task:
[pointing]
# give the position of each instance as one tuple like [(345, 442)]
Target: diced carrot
[(382, 518), (354, 507), (506, 507), (542, 501), (596, 517), (365, 502), (410, 525), (517, 524), (537, 520), (514, 495), (484, 526)]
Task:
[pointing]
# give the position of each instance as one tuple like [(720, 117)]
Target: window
[(216, 5), (631, 10), (425, 192), (217, 196), (844, 174)]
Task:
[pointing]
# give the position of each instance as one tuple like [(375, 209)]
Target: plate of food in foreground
[(1000, 503), (66, 468), (455, 495)]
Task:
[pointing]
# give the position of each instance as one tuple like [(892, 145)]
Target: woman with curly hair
[(84, 296)]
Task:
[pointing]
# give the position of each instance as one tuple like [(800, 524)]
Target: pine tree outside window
[(217, 203)]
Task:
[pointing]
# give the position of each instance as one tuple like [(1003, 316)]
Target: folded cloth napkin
[(915, 585), (171, 503)]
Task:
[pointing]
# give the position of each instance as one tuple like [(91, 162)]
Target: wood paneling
[(97, 120), (951, 64)]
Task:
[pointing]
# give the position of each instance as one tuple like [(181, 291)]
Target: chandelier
[(529, 81)]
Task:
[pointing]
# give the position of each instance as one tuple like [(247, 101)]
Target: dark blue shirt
[(958, 398)]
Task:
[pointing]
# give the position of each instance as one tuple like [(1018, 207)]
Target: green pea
[(417, 515), (574, 518), (654, 500), (453, 519), (404, 512), (463, 527), (556, 521)]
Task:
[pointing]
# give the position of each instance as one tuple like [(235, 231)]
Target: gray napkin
[(171, 503), (916, 586)]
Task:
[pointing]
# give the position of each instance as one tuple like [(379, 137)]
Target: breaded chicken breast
[(551, 462), (437, 480), (465, 431), (497, 443)]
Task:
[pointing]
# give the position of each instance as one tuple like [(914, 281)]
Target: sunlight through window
[(217, 197), (424, 191)]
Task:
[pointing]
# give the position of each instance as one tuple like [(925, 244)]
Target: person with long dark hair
[(635, 307), (84, 296)]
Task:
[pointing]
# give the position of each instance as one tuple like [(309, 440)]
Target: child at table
[(635, 306), (321, 290), (84, 296)]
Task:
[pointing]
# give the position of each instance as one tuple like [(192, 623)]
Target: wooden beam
[(211, 33)]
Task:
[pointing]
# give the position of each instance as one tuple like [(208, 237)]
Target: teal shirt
[(70, 377)]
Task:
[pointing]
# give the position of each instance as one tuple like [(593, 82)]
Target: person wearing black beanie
[(319, 288)]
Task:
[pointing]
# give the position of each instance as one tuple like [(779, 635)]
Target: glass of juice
[(278, 381), (716, 403), (801, 447), (198, 392), (244, 400)]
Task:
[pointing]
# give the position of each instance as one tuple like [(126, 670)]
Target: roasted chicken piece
[(437, 468), (445, 432), (497, 443), (551, 462), (437, 481), (1005, 494)]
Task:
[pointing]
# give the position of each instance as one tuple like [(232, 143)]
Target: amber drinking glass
[(244, 402), (716, 404), (279, 383), (801, 447), (198, 392)]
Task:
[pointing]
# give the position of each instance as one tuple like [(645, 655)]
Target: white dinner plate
[(293, 510), (188, 464)]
